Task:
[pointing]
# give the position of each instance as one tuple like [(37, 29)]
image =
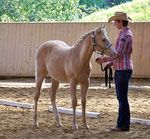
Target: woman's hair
[(125, 23)]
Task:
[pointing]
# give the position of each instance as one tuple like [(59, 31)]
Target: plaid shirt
[(123, 47)]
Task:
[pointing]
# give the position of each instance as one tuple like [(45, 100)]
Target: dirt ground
[(18, 122)]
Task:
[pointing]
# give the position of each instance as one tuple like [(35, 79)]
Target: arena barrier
[(68, 111)]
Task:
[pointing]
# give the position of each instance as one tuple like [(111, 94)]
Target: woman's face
[(118, 24)]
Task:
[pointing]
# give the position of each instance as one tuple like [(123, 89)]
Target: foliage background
[(138, 10), (71, 10), (39, 10)]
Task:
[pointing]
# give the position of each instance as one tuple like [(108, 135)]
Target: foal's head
[(102, 42)]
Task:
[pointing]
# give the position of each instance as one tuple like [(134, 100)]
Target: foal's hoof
[(60, 125), (36, 126), (75, 127), (87, 127)]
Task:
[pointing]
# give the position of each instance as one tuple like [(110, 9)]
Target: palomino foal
[(69, 64)]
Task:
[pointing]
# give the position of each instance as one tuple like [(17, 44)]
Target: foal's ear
[(102, 27)]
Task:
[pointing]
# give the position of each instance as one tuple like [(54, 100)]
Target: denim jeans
[(122, 79)]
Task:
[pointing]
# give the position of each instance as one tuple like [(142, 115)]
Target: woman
[(123, 67)]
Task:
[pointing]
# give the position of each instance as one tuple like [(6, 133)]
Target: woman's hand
[(101, 60), (108, 65)]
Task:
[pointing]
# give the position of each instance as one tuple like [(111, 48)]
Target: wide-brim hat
[(120, 16)]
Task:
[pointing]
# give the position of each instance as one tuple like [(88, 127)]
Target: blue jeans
[(122, 79)]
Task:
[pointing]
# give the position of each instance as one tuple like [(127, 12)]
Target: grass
[(138, 10)]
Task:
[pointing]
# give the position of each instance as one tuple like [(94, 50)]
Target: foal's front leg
[(73, 85), (84, 88)]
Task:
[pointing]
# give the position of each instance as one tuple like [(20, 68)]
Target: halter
[(95, 43)]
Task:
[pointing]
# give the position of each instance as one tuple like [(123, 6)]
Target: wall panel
[(20, 41)]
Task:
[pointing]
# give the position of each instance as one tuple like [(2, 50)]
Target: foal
[(69, 64)]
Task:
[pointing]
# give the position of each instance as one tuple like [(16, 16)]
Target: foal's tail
[(35, 70)]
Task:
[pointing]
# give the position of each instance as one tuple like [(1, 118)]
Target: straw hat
[(120, 16)]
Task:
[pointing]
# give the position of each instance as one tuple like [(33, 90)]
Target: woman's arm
[(124, 44)]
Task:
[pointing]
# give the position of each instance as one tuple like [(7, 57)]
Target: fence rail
[(20, 41)]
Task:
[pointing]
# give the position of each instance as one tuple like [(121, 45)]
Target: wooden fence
[(20, 41)]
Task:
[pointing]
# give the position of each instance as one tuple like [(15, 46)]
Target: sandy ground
[(18, 122)]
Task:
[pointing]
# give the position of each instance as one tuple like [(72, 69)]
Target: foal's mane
[(86, 34), (82, 37)]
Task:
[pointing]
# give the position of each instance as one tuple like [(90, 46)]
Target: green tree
[(92, 3), (110, 3), (39, 10), (90, 6)]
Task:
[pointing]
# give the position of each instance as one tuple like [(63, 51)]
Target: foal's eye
[(103, 40)]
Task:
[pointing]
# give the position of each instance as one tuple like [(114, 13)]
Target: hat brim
[(119, 18)]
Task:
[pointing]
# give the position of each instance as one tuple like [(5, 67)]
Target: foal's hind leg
[(40, 78), (53, 90)]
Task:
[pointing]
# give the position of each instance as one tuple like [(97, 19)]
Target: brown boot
[(117, 129)]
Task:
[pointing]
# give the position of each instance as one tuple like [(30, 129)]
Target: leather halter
[(95, 44)]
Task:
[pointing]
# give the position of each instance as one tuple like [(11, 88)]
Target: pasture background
[(20, 41)]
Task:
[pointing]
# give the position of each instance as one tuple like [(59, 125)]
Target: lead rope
[(106, 75), (110, 76)]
